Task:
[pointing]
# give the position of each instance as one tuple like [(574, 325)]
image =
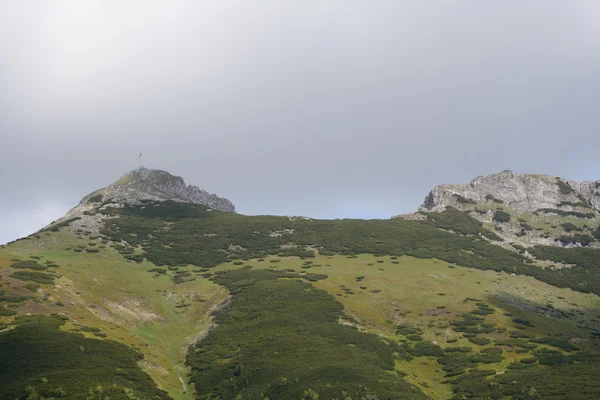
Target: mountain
[(526, 209), (137, 187), (523, 192), (151, 289)]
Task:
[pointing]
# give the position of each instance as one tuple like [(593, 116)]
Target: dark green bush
[(279, 338), (34, 276), (501, 216), (568, 227), (463, 200), (70, 363), (481, 341), (29, 264)]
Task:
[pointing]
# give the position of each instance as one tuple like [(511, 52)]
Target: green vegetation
[(501, 216), (568, 227), (30, 264), (459, 222), (279, 339), (564, 188), (154, 288), (463, 200), (583, 239), (581, 203), (489, 197), (562, 213), (37, 361), (206, 238), (95, 199), (38, 277), (584, 276), (571, 382), (596, 233)]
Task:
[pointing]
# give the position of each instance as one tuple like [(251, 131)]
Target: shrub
[(29, 264), (38, 277), (528, 360), (463, 200), (481, 341), (501, 216), (562, 213), (577, 238), (564, 188), (489, 197), (568, 227), (426, 349), (301, 318), (6, 312), (526, 227), (522, 322), (71, 363)]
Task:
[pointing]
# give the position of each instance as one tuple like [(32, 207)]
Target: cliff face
[(523, 192)]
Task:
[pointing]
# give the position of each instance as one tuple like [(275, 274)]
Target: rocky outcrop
[(524, 192), (133, 188), (153, 184)]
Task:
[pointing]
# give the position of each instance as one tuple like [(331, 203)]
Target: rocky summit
[(136, 187), (523, 192), (154, 184)]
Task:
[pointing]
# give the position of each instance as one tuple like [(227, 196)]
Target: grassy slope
[(410, 292), (104, 290)]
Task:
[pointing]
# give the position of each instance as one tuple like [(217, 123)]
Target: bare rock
[(524, 192)]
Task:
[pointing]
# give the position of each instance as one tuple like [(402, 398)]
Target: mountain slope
[(232, 306)]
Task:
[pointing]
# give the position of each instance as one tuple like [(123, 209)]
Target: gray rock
[(132, 188), (524, 192), (153, 184)]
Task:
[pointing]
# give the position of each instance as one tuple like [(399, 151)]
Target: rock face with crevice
[(523, 192)]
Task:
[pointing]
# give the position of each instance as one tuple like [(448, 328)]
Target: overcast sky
[(319, 108)]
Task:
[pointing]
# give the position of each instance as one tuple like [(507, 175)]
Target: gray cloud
[(321, 108)]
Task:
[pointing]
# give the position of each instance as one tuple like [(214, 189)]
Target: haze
[(321, 108)]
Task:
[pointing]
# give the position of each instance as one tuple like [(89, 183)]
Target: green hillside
[(173, 299)]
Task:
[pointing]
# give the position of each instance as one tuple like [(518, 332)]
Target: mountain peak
[(525, 192), (141, 184), (158, 185)]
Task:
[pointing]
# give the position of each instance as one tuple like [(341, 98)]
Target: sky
[(322, 108)]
